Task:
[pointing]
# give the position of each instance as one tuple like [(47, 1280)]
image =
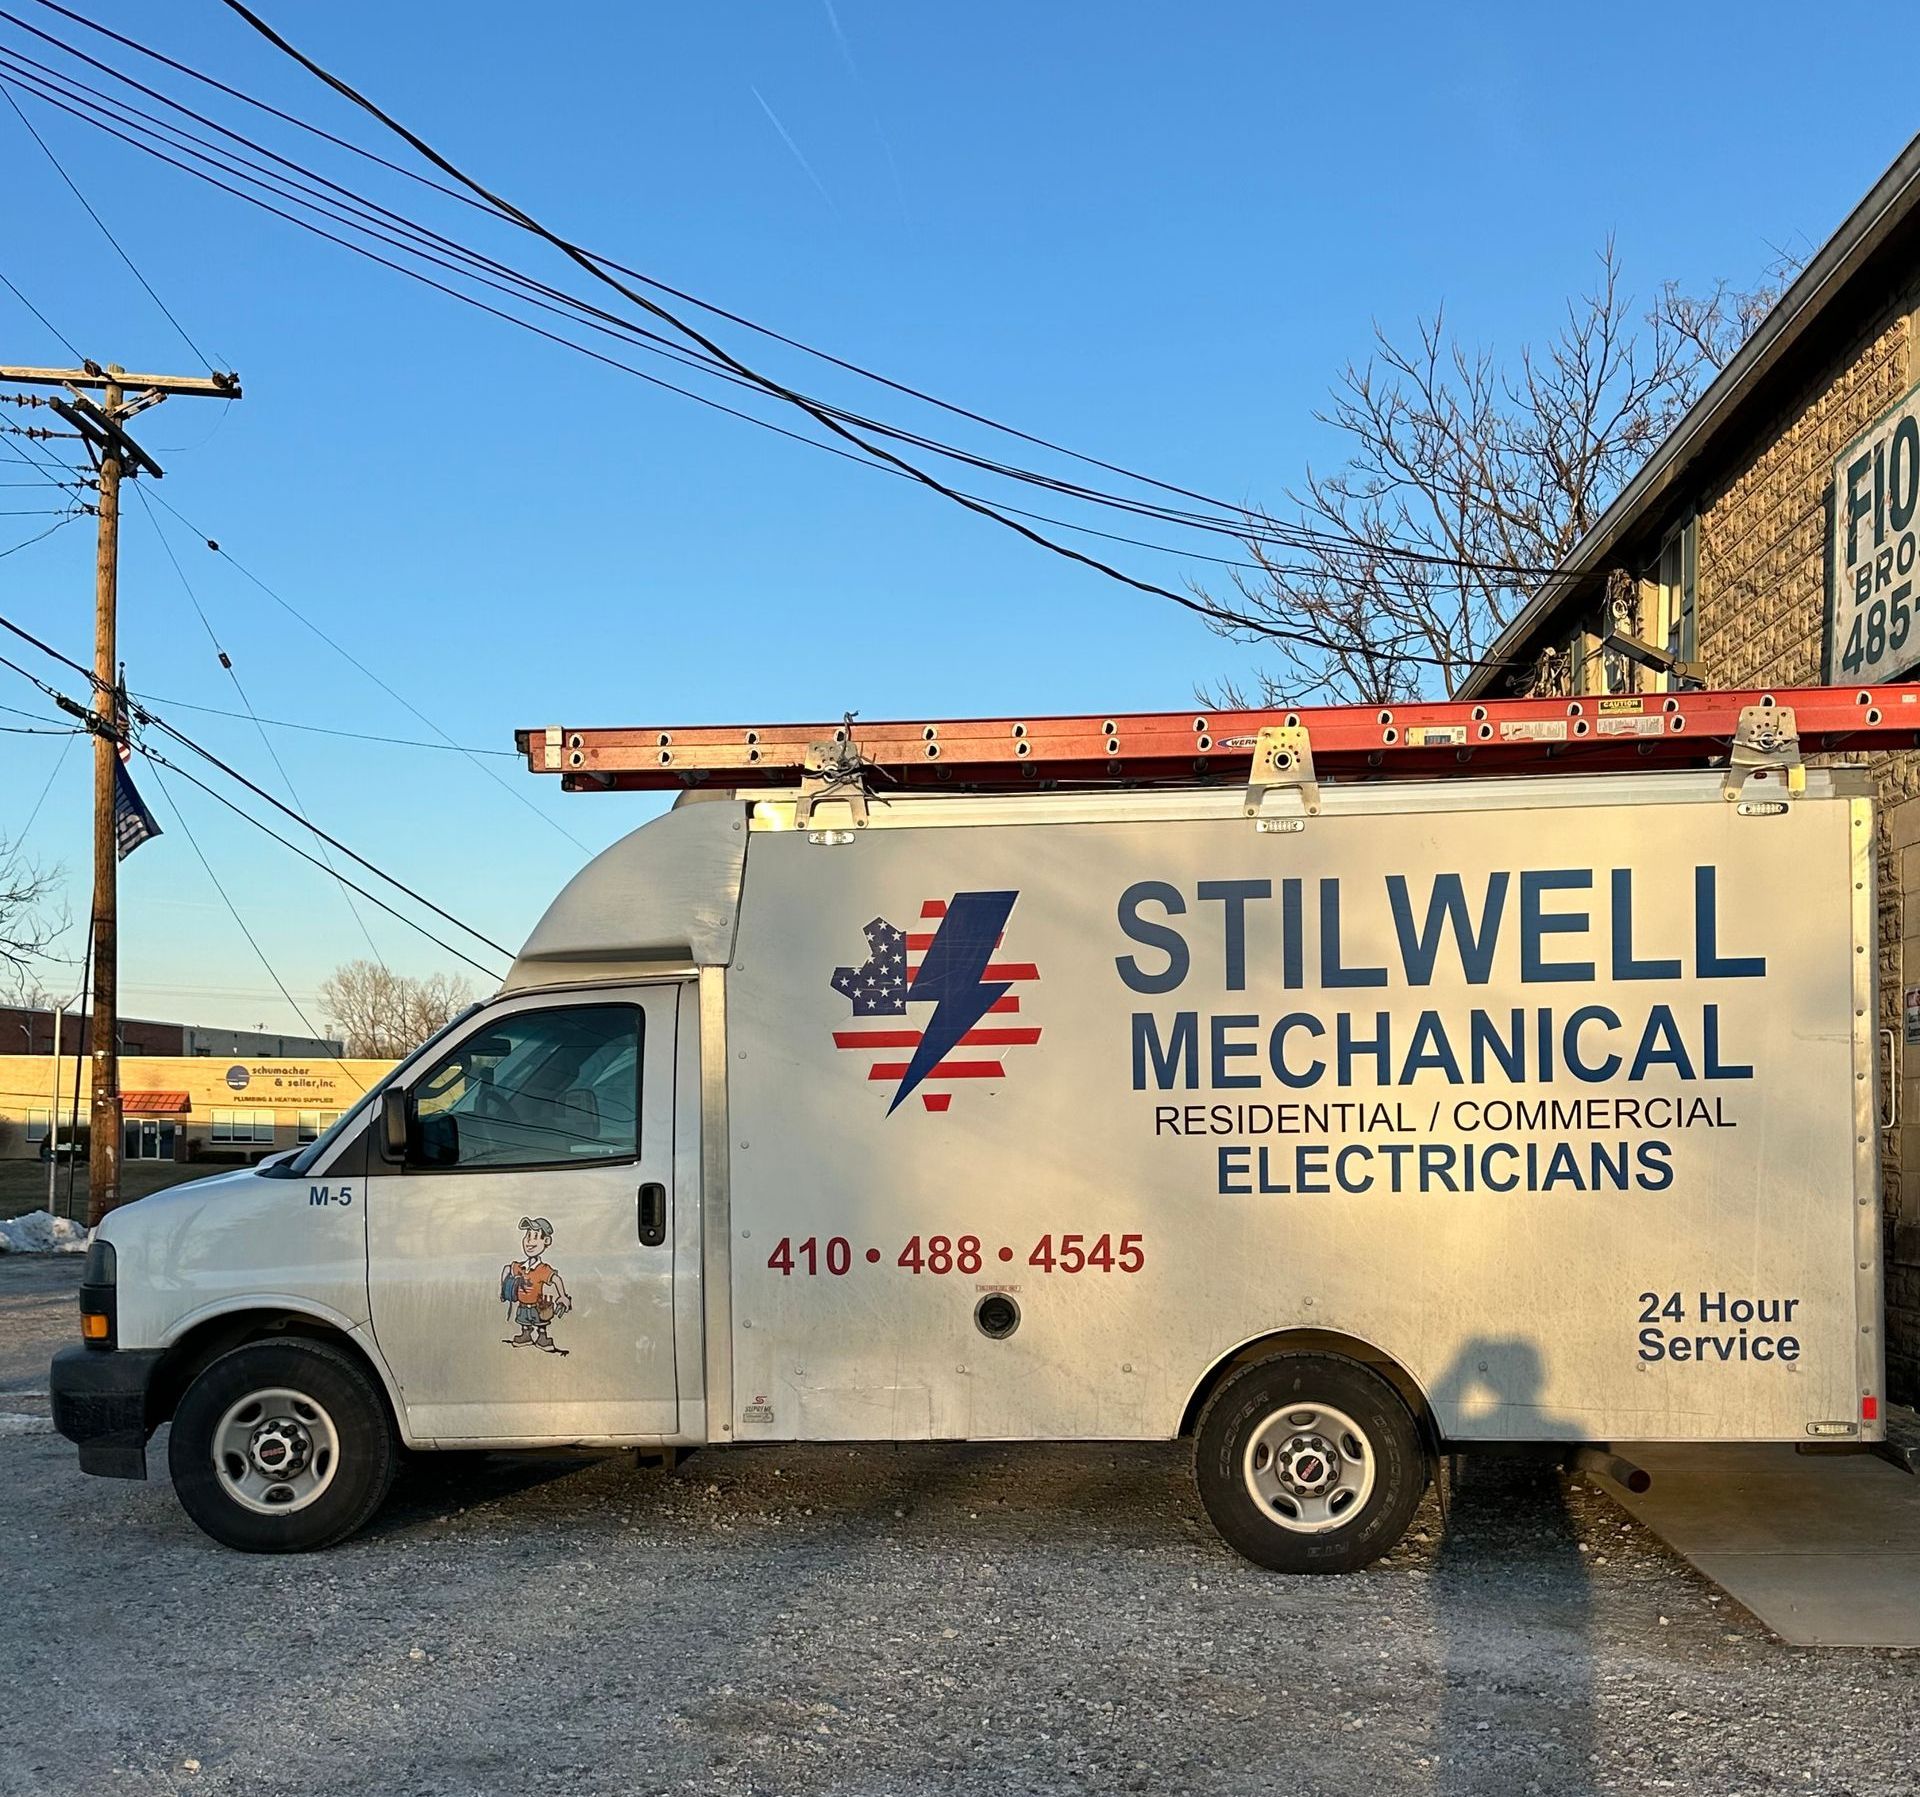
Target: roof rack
[(1741, 730)]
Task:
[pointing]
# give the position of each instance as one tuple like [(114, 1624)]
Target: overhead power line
[(159, 760), (253, 942), (147, 716), (716, 362), (25, 832), (357, 214), (266, 742), (45, 648), (777, 389), (650, 343), (363, 736), (37, 461), (489, 207), (906, 389), (66, 341), (293, 611), (119, 248), (389, 228), (517, 794)]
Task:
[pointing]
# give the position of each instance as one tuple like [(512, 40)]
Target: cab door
[(520, 1259)]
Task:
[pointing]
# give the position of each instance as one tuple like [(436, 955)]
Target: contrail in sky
[(846, 49), (786, 137), (879, 130)]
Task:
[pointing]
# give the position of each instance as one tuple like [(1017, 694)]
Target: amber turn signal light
[(93, 1326)]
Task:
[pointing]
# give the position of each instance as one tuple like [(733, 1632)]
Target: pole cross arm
[(91, 374)]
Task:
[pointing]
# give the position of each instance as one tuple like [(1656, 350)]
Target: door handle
[(653, 1214)]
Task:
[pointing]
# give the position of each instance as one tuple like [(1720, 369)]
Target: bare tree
[(384, 1015), (1466, 480), (28, 919)]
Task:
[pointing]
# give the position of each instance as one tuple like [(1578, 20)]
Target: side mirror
[(395, 1124)]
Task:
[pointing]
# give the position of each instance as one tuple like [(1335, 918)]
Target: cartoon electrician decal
[(532, 1286)]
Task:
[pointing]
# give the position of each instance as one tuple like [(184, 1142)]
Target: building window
[(39, 1123), (315, 1124), (243, 1126), (1675, 597)]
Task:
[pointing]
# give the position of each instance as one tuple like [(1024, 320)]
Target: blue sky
[(1152, 233)]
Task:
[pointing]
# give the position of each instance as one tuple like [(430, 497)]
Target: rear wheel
[(1309, 1463), (281, 1446)]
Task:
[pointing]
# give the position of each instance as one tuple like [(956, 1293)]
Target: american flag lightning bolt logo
[(953, 969)]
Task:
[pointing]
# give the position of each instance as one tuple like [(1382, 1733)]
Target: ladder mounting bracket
[(1282, 760), (1764, 769), (833, 793)]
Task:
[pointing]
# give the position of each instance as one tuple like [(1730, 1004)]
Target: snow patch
[(13, 1423), (41, 1232)]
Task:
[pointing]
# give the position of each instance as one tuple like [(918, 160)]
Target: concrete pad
[(1823, 1548)]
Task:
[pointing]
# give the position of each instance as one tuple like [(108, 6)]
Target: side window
[(538, 1089)]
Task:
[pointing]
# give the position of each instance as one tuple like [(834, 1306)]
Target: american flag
[(974, 987), (133, 823)]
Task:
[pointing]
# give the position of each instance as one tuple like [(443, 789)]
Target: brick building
[(1772, 539), (30, 1031)]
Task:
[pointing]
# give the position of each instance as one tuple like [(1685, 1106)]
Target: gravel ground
[(917, 1621)]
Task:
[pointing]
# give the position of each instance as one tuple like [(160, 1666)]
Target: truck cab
[(301, 1320)]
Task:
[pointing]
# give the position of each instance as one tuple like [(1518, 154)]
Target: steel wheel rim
[(1309, 1467), (275, 1451)]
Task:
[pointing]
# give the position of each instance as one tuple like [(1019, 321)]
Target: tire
[(281, 1446), (1309, 1463)]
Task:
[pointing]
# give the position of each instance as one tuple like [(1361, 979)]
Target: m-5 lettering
[(329, 1194)]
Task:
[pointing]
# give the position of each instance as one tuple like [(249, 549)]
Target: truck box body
[(1558, 1094), (1327, 1125)]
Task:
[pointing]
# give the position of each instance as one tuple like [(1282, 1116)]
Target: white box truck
[(1332, 1126)]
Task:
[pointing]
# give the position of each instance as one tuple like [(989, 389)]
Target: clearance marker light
[(1869, 1408)]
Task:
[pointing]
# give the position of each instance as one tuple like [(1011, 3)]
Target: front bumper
[(100, 1404)]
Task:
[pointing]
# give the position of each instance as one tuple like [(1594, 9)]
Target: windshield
[(348, 1121)]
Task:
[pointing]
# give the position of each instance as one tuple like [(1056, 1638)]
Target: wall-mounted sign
[(1873, 537), (237, 1078)]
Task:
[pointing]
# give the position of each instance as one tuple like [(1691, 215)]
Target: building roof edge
[(1890, 202)]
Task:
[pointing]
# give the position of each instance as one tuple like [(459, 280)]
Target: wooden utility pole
[(116, 457)]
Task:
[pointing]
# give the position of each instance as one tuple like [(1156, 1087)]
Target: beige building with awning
[(184, 1107)]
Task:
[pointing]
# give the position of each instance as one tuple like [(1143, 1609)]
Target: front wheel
[(1309, 1463), (281, 1446)]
